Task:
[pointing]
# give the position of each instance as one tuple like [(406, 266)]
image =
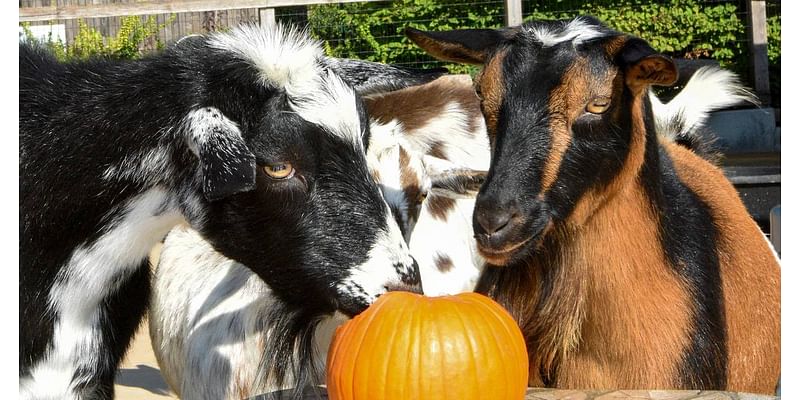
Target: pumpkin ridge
[(514, 335), (468, 339), (389, 357), (484, 310)]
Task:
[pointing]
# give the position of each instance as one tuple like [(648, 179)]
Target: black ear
[(369, 78), (226, 164), (644, 66), (458, 184), (470, 46)]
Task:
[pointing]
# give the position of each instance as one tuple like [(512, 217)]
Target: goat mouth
[(501, 254)]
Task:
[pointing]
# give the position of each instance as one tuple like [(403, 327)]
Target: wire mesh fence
[(374, 30)]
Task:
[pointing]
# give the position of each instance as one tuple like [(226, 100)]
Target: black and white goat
[(628, 260), (213, 321), (253, 138)]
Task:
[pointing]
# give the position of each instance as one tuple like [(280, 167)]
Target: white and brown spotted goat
[(628, 260), (212, 320)]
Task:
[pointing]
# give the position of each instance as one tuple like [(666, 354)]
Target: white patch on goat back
[(388, 258), (465, 147), (383, 158), (94, 271), (289, 59), (576, 31), (207, 321), (433, 238)]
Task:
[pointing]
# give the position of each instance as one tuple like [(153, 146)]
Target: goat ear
[(451, 180), (458, 184), (644, 66), (227, 165), (369, 78), (470, 46)]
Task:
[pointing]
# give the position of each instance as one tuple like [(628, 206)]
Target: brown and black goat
[(628, 260)]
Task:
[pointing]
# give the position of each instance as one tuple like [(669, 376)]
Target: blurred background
[(730, 32)]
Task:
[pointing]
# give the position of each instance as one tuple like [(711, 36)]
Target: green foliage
[(680, 28), (774, 39), (134, 38), (374, 31)]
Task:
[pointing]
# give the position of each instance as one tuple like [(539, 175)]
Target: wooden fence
[(194, 16)]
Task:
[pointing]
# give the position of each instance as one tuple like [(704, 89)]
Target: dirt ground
[(139, 377)]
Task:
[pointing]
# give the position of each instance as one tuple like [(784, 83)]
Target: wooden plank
[(51, 12), (757, 40), (513, 12)]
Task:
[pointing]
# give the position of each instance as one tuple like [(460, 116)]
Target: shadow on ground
[(144, 377)]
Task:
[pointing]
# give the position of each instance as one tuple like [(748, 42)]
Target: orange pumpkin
[(408, 346)]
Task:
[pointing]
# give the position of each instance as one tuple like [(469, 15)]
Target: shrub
[(134, 38)]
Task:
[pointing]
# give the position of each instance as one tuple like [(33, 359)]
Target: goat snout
[(504, 230), (493, 221)]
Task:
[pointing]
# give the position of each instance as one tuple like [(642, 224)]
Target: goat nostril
[(494, 222)]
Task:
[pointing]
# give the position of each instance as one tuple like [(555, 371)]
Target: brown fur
[(437, 150), (750, 277), (443, 263), (440, 206), (419, 107), (446, 51), (490, 82), (411, 185)]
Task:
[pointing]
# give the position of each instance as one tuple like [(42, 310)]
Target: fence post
[(266, 16), (757, 40), (513, 12)]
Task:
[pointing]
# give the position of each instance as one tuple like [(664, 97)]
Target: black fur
[(78, 120), (688, 237)]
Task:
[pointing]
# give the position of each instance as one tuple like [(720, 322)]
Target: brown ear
[(470, 46), (643, 66), (653, 70)]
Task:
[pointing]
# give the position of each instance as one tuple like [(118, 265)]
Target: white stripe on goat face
[(83, 284), (316, 95), (368, 280)]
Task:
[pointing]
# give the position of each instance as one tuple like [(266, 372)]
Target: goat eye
[(598, 105), (279, 171)]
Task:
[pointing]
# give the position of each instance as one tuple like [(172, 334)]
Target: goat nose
[(494, 220)]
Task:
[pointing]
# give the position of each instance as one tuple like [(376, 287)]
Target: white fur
[(451, 238), (145, 168), (288, 59), (330, 104), (576, 31), (198, 291), (285, 56), (709, 89), (88, 277), (368, 280)]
